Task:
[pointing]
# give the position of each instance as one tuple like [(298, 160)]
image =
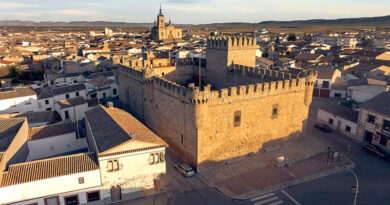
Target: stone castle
[(221, 109), (163, 32)]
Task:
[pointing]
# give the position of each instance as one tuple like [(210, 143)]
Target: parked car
[(375, 150), (185, 170), (323, 127)]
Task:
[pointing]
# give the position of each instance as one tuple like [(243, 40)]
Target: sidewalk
[(259, 174)]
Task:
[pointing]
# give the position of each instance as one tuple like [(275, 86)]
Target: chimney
[(110, 104)]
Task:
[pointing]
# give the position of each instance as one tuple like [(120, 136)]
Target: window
[(66, 114), (104, 95), (371, 119), (347, 128), (182, 138), (275, 111), (93, 196), (151, 158), (383, 141), (46, 102), (114, 91), (48, 109), (52, 201), (77, 94), (386, 127), (67, 96), (237, 118), (325, 84), (116, 165), (162, 156), (112, 165), (157, 158), (93, 96), (71, 200), (337, 95), (330, 121)]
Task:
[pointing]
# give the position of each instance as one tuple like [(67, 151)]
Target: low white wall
[(54, 146), (6, 106)]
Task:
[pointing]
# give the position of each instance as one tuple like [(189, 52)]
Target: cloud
[(245, 10), (75, 12), (188, 1), (191, 8), (14, 5)]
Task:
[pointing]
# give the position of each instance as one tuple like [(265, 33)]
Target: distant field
[(276, 29)]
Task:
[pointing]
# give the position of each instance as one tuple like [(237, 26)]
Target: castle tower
[(223, 51)]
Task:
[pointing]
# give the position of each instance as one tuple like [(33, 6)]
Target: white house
[(325, 80), (47, 97), (363, 93), (54, 140), (131, 156), (18, 99), (52, 165), (339, 118), (72, 108), (102, 88)]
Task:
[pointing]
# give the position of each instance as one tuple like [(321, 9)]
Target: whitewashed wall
[(62, 186), (54, 146), (21, 106), (323, 117)]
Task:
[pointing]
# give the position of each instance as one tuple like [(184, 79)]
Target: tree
[(292, 37), (15, 71)]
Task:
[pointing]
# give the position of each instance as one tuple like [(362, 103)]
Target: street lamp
[(357, 183)]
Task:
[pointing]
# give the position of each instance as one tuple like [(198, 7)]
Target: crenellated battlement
[(184, 61), (262, 74), (231, 42), (277, 83)]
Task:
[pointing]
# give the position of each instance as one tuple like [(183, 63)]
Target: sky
[(189, 11)]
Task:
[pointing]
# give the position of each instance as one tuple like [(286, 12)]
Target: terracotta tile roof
[(49, 168), (17, 92), (379, 103), (285, 60), (325, 73), (367, 53), (112, 127), (101, 81), (5, 62), (43, 93), (67, 103), (36, 117), (8, 129), (67, 89), (265, 60), (307, 56), (92, 102), (47, 131)]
